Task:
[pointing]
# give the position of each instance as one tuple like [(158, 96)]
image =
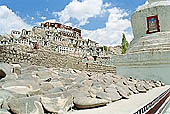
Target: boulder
[(88, 102), (162, 84), (107, 80), (76, 71), (66, 81), (44, 74), (158, 83), (45, 86), (93, 91), (24, 76), (56, 90), (133, 88), (113, 94), (26, 105), (18, 89), (98, 84), (57, 83), (123, 92), (140, 87), (64, 74), (81, 92), (16, 68), (29, 68), (36, 92), (55, 104), (3, 111), (146, 85), (6, 72), (1, 101), (102, 95), (79, 79), (20, 86), (87, 83), (108, 96), (152, 84), (4, 97)]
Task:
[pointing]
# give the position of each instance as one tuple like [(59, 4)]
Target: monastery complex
[(56, 37)]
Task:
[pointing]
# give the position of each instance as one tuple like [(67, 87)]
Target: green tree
[(125, 44), (105, 48)]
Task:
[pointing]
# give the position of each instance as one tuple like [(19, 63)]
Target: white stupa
[(148, 56), (151, 27)]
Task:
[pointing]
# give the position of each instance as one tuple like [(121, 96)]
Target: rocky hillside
[(30, 89)]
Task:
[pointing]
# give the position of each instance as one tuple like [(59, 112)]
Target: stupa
[(148, 56), (151, 27)]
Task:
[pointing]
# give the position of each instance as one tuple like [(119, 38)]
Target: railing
[(144, 110)]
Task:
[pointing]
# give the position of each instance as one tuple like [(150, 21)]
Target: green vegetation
[(105, 48), (125, 44), (74, 45)]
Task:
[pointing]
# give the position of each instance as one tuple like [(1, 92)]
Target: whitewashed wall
[(139, 19), (148, 72)]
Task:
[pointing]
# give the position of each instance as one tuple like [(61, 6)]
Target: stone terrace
[(40, 57)]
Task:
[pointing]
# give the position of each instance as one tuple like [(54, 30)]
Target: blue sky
[(96, 18)]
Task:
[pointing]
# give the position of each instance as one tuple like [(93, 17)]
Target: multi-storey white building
[(55, 36)]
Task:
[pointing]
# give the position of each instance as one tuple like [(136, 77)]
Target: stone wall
[(142, 58), (23, 54), (144, 65)]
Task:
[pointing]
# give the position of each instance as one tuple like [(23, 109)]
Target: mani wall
[(40, 57)]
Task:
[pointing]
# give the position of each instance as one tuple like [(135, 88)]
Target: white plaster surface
[(147, 72), (126, 106), (156, 41), (148, 56), (153, 3), (139, 17)]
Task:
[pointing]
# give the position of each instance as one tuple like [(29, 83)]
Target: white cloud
[(116, 24), (81, 11), (50, 20), (142, 6), (112, 33), (10, 21), (32, 18), (46, 9), (43, 18)]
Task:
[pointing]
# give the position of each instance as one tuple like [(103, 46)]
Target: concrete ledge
[(154, 106)]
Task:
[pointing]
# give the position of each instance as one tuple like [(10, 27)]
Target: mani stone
[(3, 111), (20, 86), (140, 87), (55, 104), (6, 72), (16, 69), (87, 102), (26, 105)]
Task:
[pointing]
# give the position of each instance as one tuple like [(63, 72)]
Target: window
[(152, 24)]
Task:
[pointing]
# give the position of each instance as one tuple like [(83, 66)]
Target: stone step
[(151, 45), (158, 35), (150, 41)]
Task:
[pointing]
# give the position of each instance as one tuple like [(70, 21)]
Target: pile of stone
[(30, 89)]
